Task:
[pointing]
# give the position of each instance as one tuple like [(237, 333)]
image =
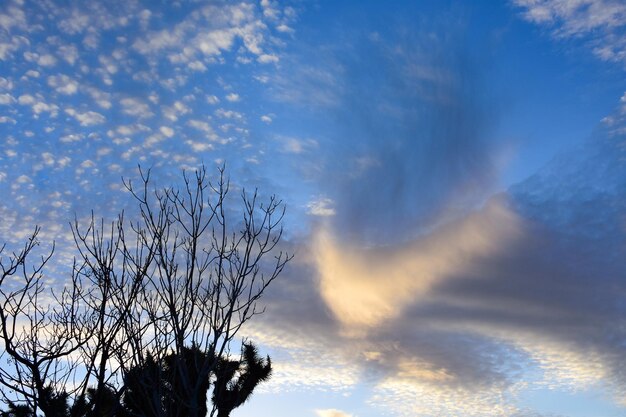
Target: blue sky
[(453, 172)]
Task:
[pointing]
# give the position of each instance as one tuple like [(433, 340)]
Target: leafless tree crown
[(184, 273)]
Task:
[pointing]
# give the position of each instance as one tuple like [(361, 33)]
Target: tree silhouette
[(149, 311), (231, 390), (175, 386), (16, 410)]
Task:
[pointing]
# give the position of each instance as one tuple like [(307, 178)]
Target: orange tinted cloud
[(363, 287)]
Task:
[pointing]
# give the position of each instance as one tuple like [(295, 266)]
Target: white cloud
[(267, 58), (47, 60), (23, 179), (156, 41), (398, 395), (144, 17), (41, 107), (199, 146), (48, 158), (69, 53), (136, 107), (284, 28), (200, 125), (197, 66), (222, 25), (305, 363), (101, 98), (63, 84), (88, 118), (64, 161), (88, 163), (270, 9), (233, 97), (564, 366), (153, 140), (228, 114), (602, 22), (167, 131), (11, 17), (213, 42), (13, 45), (175, 110), (211, 99), (322, 207), (266, 119), (75, 23), (6, 84), (129, 130), (297, 146), (6, 99), (71, 138), (26, 99), (108, 64)]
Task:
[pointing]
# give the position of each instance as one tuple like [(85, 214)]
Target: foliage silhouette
[(230, 390)]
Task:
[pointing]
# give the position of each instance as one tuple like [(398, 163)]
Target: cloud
[(221, 25), (232, 97), (26, 99), (101, 98), (406, 398), (46, 60), (69, 53), (178, 108), (6, 98), (88, 118), (297, 146), (308, 84), (167, 131), (601, 22), (443, 311), (63, 84), (39, 106), (136, 107), (13, 17), (321, 207), (268, 59), (413, 144), (228, 114), (365, 287)]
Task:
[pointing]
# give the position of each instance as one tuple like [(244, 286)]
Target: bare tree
[(171, 288)]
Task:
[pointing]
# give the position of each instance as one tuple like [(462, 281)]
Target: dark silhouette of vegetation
[(145, 323), (230, 390)]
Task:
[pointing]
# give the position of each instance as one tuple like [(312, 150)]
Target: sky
[(454, 175)]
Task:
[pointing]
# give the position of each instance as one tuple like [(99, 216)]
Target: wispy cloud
[(601, 22)]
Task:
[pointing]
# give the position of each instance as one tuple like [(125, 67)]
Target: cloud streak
[(365, 287), (601, 22)]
